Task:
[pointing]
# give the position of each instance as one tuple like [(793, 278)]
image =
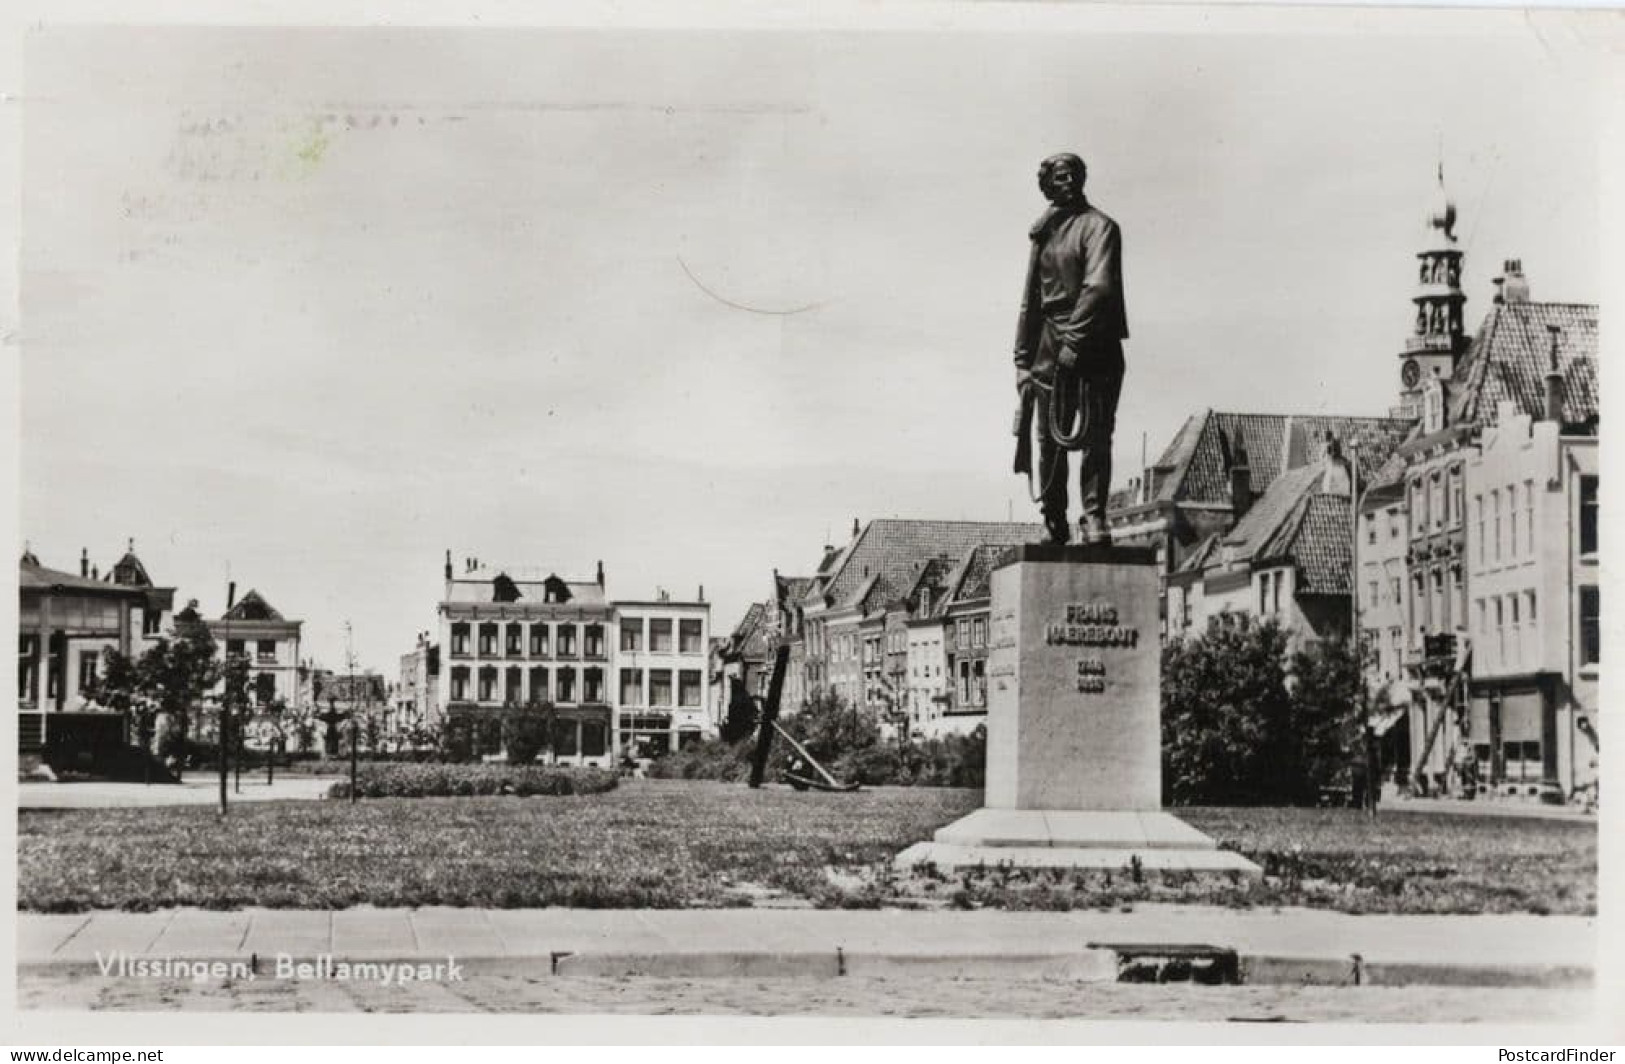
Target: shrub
[(527, 737), (385, 780)]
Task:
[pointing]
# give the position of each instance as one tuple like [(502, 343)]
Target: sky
[(304, 309)]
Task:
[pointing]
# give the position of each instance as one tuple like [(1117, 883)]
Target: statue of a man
[(1069, 349)]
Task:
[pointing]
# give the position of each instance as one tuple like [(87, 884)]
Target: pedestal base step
[(1073, 838)]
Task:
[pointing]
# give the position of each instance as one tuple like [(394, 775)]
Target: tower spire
[(1437, 337)]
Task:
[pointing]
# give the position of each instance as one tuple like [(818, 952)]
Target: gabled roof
[(252, 607), (972, 580), (791, 588), (1195, 466), (129, 571), (882, 560), (1509, 358), (1263, 521), (1319, 543), (752, 635)]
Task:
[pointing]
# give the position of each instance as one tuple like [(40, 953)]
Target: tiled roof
[(976, 573), (888, 550), (1199, 458), (252, 607), (1509, 357), (31, 576), (1319, 543), (1260, 524)]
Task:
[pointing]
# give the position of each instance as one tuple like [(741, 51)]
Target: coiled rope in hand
[(1069, 418)]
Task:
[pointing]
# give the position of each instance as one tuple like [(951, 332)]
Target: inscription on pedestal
[(1073, 714)]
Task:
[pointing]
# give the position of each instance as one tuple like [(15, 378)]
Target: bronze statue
[(1069, 350)]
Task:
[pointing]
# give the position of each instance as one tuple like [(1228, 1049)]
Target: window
[(1436, 499), (1264, 593), (1590, 626), (1500, 631), (978, 633), (632, 634), (1371, 592), (150, 620), (1458, 495), (265, 651), (264, 689), (564, 737), (513, 686), (1512, 521), (592, 685), (592, 643), (689, 633), (1393, 590), (567, 640), (1529, 608), (459, 683), (516, 640), (87, 670), (538, 640), (631, 687), (1478, 518), (538, 686), (660, 635), (1514, 610), (566, 684), (1588, 515), (1275, 593), (234, 647), (459, 640), (1478, 605), (488, 640), (1393, 522), (594, 738), (488, 685), (688, 687), (979, 679), (1371, 529), (660, 687), (1495, 508)]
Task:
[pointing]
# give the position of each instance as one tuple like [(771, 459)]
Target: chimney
[(231, 594), (1554, 380), (448, 563), (1241, 481), (1500, 295), (854, 528), (702, 592), (96, 572), (1516, 288), (600, 573), (84, 561), (1335, 479)]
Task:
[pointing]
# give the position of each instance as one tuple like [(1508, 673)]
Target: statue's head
[(1061, 178)]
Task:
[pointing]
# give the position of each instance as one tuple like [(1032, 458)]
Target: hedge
[(383, 780)]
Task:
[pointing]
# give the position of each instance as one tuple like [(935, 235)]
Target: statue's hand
[(1024, 377), (1068, 359)]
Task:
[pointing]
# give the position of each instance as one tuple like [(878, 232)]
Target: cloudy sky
[(318, 305)]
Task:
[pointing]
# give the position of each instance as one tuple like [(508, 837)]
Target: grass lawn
[(664, 844)]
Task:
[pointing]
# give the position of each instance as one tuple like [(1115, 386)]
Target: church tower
[(1437, 337)]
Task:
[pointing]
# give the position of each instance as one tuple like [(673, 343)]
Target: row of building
[(68, 621), (1457, 535)]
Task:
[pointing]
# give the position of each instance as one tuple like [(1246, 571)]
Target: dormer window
[(1433, 406)]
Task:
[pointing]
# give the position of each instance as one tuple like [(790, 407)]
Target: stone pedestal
[(1074, 733)]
